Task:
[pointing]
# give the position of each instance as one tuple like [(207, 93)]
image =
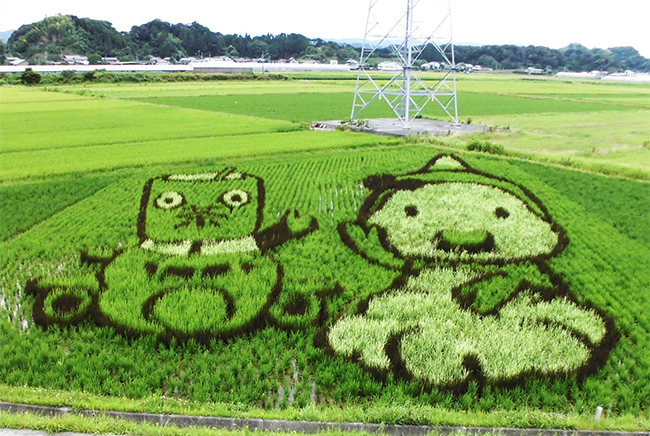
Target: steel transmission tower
[(408, 35)]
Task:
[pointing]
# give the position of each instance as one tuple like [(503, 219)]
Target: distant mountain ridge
[(53, 37)]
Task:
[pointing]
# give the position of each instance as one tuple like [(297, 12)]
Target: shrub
[(68, 76), (485, 147), (348, 123), (30, 77)]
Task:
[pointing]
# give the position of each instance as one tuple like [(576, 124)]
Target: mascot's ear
[(379, 181), (444, 162)]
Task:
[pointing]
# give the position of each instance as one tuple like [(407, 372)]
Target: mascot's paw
[(528, 336), (300, 224), (66, 301), (422, 332)]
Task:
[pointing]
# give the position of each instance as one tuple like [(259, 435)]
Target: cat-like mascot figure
[(203, 268)]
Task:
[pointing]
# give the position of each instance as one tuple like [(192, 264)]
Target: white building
[(75, 60), (531, 70), (158, 61), (578, 75), (352, 63), (188, 60), (16, 62), (111, 60), (431, 66), (390, 66)]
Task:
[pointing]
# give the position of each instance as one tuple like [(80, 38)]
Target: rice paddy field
[(193, 247)]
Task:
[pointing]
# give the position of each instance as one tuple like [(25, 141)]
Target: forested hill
[(53, 37)]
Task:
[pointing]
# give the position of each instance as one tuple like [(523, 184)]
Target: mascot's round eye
[(411, 211), (170, 200), (501, 213), (235, 198)]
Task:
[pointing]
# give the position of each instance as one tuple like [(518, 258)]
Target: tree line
[(575, 57), (52, 38)]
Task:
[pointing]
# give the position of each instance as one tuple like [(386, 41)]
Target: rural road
[(287, 426)]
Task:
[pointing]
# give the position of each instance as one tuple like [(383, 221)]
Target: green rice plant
[(595, 280), (47, 125), (69, 298), (166, 151), (485, 147), (485, 297), (448, 163), (505, 346), (190, 310), (626, 212), (320, 106), (453, 209), (459, 238), (441, 343), (216, 208), (39, 200), (557, 137), (558, 312)]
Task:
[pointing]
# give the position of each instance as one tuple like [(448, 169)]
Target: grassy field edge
[(406, 414)]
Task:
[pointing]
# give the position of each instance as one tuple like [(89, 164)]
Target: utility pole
[(407, 37)]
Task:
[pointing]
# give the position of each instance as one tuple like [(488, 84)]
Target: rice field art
[(200, 268), (475, 299), (436, 274)]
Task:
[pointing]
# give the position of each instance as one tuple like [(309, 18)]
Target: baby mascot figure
[(203, 268), (475, 299)]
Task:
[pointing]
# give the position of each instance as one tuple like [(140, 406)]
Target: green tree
[(578, 57), (3, 51), (30, 77), (629, 57), (94, 59), (102, 38), (232, 52), (55, 36), (430, 54), (164, 44), (486, 60), (239, 44), (285, 46), (258, 48), (347, 52)]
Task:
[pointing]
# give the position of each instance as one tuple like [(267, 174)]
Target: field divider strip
[(288, 426), (558, 98), (289, 129)]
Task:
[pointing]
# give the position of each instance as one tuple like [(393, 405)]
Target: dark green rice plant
[(485, 147)]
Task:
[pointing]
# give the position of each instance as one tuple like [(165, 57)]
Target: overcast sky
[(551, 23)]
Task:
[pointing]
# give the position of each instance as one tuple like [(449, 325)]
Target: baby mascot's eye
[(235, 198), (170, 200), (501, 213), (411, 211)]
